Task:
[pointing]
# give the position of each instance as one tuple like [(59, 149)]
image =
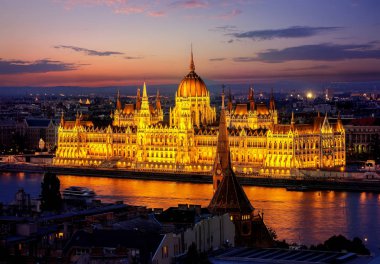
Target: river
[(301, 217)]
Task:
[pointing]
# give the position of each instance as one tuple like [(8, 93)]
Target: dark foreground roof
[(146, 242), (285, 256)]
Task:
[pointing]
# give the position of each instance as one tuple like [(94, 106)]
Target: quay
[(300, 183)]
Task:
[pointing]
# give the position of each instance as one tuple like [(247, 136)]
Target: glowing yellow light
[(309, 95)]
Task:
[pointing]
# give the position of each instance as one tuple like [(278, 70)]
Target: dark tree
[(50, 195)]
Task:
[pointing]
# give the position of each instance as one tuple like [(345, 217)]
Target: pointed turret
[(229, 104), (77, 119), (118, 103), (223, 97), (272, 105), (158, 101), (144, 99), (326, 128), (251, 99), (145, 95), (192, 65), (138, 99), (292, 121), (62, 122), (339, 124)]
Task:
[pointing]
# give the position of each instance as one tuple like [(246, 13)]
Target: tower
[(230, 197), (222, 157), (251, 99), (158, 101), (118, 103)]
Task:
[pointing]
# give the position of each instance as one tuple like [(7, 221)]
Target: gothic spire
[(292, 121), (118, 103), (339, 124), (62, 123), (158, 101), (229, 104), (192, 65), (251, 99), (229, 196), (138, 99), (271, 102), (223, 96), (145, 95), (223, 146)]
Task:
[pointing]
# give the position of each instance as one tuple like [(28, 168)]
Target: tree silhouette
[(50, 195)]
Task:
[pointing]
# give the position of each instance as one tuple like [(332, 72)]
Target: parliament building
[(138, 138)]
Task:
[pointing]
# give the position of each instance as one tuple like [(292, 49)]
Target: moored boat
[(78, 193)]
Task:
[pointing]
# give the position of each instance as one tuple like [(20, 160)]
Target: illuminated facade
[(138, 139)]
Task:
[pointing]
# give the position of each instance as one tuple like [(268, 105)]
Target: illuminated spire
[(292, 121), (251, 99), (118, 103), (271, 102), (223, 97), (158, 101), (145, 95), (229, 104), (138, 99), (62, 119), (77, 119), (192, 65), (339, 124), (326, 128)]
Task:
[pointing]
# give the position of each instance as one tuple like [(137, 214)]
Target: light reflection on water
[(305, 217)]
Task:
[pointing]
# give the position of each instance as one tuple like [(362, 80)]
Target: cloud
[(38, 66), (315, 67), (225, 28), (291, 32), (317, 52), (127, 10), (189, 4), (217, 59), (156, 14), (230, 14), (88, 51), (133, 58)]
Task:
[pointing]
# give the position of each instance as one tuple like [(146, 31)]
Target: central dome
[(192, 85)]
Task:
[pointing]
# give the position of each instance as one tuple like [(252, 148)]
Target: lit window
[(165, 252)]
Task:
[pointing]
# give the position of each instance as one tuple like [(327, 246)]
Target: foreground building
[(230, 198), (138, 138)]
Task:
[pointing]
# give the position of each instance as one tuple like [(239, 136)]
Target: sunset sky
[(124, 42)]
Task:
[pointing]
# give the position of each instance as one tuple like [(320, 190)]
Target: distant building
[(138, 138), (36, 129), (362, 136), (9, 129), (329, 94)]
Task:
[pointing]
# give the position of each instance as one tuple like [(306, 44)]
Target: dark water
[(302, 217)]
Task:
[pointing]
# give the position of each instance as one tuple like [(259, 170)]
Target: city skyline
[(119, 42)]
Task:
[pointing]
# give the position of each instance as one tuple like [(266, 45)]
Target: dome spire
[(192, 66)]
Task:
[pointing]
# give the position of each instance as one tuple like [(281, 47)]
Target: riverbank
[(291, 183)]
